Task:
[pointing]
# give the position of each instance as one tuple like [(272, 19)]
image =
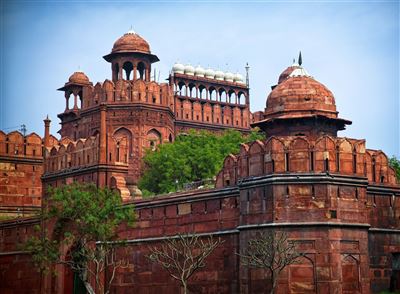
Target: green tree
[(85, 219), (395, 163), (192, 157)]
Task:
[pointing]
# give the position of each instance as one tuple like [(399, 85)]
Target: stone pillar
[(75, 101), (66, 101), (47, 122), (134, 73), (119, 72), (103, 135)]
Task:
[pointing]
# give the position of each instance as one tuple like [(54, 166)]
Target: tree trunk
[(89, 287), (184, 284), (273, 278)]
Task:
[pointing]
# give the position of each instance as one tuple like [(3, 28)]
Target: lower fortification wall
[(338, 257)]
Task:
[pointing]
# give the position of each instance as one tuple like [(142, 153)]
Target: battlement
[(16, 145), (21, 166), (140, 91), (71, 154), (295, 154)]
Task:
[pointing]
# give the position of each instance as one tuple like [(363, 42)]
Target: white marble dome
[(299, 72), (238, 78), (219, 75), (178, 68), (210, 73), (229, 76), (199, 71), (189, 70)]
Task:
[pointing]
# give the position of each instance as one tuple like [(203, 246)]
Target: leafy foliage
[(192, 157), (271, 251), (395, 163), (82, 215), (183, 255)]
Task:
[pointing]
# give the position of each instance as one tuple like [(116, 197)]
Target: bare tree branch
[(183, 255), (271, 251)]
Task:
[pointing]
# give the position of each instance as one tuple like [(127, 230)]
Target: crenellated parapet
[(121, 91), (16, 145), (69, 154), (21, 166), (80, 160), (295, 154)]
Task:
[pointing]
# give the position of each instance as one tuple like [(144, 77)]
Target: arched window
[(192, 90), (241, 98), (141, 70), (202, 92), (153, 138), (222, 95), (123, 145), (182, 89), (79, 100), (232, 96), (127, 70), (70, 100), (213, 94)]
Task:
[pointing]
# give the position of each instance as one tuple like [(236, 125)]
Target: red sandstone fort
[(338, 201)]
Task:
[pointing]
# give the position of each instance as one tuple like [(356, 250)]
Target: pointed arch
[(229, 170), (325, 154), (243, 161), (153, 138), (275, 153), (299, 155), (305, 271), (350, 273), (122, 145), (256, 158)]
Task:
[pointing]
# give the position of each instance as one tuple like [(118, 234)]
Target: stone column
[(103, 135), (75, 101), (119, 72), (47, 122), (66, 101)]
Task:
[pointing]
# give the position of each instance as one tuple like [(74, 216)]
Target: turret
[(131, 58)]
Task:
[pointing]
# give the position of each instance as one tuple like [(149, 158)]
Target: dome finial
[(300, 60), (131, 31)]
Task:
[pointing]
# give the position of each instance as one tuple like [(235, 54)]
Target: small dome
[(219, 75), (178, 68), (238, 78), (299, 72), (285, 74), (199, 71), (210, 73), (131, 42), (79, 77), (229, 77), (189, 70), (300, 95)]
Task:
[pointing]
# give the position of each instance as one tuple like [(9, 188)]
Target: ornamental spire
[(300, 60)]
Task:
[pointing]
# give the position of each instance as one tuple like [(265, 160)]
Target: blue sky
[(351, 47)]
